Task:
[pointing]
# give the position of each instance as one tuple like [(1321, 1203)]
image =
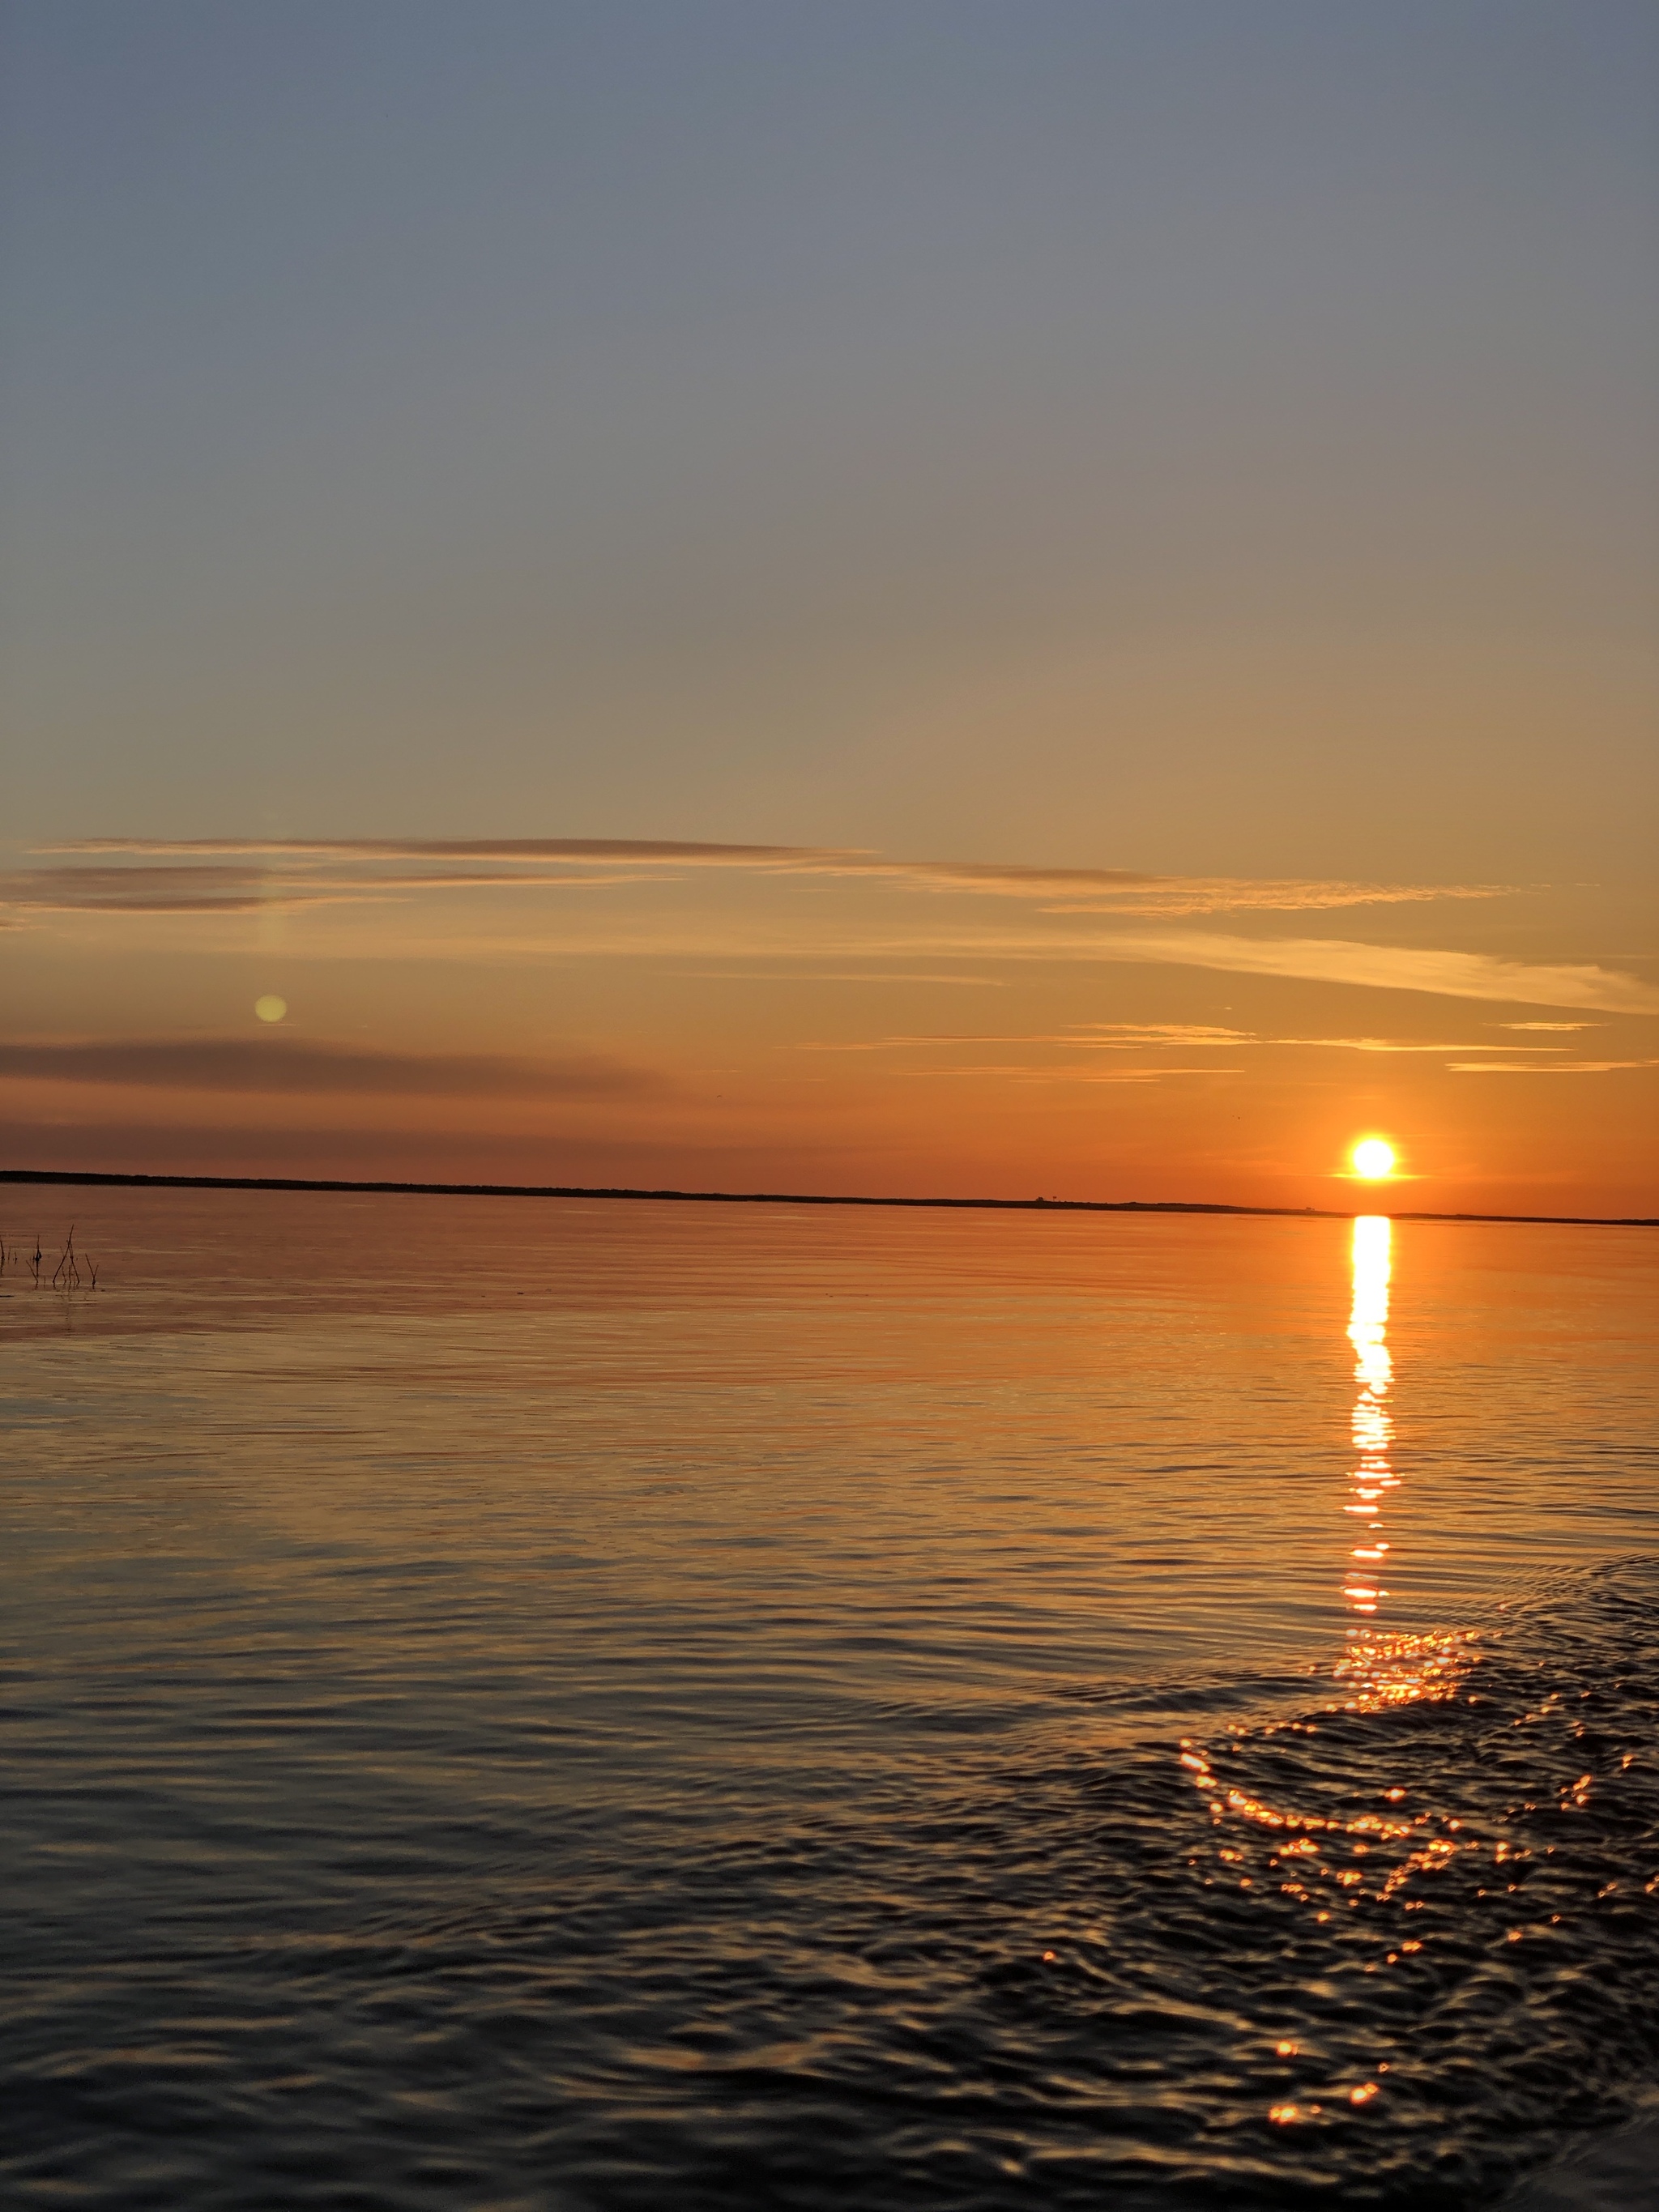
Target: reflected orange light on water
[(1373, 1475), (1377, 1669)]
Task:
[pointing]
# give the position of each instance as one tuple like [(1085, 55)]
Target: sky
[(942, 598)]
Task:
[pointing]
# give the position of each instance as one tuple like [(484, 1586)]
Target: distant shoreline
[(28, 1176)]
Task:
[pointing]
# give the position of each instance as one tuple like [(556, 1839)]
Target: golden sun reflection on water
[(1373, 1427), (1377, 1669)]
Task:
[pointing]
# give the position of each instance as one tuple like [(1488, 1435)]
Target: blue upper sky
[(1166, 433)]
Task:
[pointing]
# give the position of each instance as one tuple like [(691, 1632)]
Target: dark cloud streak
[(1104, 891), (284, 1064)]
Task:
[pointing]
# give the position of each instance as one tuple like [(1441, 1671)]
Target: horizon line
[(98, 1179)]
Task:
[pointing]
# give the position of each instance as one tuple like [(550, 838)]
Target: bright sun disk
[(1373, 1158)]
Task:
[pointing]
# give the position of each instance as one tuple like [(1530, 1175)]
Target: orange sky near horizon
[(821, 1023)]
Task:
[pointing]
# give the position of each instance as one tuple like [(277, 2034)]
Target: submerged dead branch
[(74, 1271)]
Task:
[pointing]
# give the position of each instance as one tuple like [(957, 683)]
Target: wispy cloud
[(1031, 1071), (1181, 896), (1545, 1067), (503, 863), (840, 975), (196, 890), (1125, 1035), (282, 1064), (1565, 1027), (1392, 968), (220, 887), (209, 876), (1134, 1036), (1392, 1044), (606, 849)]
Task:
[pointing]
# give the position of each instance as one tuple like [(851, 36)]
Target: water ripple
[(1379, 1952)]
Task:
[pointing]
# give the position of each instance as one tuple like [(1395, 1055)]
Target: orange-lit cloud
[(300, 872), (524, 863), (1131, 1036), (1395, 967), (1545, 1067), (1027, 1071)]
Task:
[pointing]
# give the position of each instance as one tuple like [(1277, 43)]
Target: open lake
[(572, 1705)]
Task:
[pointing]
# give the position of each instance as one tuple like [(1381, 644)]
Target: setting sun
[(1373, 1158)]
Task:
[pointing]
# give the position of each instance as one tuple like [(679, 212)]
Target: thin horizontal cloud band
[(288, 1065), (1439, 973), (217, 888), (1393, 968), (1081, 889), (1546, 1066), (343, 871), (1137, 1036), (1435, 971)]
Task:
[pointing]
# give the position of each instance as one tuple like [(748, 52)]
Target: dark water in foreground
[(571, 1706)]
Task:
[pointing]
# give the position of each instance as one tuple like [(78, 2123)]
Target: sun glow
[(1373, 1158)]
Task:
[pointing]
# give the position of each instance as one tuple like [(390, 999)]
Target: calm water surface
[(567, 1705)]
